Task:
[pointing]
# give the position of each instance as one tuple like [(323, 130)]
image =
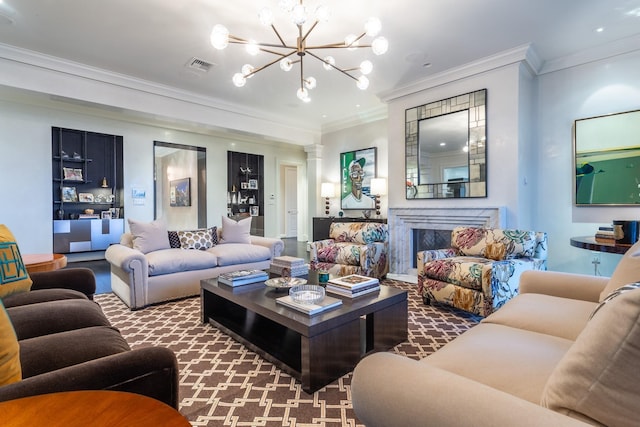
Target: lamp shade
[(327, 189), (378, 186)]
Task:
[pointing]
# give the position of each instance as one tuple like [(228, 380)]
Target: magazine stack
[(296, 266), (242, 277), (353, 285)]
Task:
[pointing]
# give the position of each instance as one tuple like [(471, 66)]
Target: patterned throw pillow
[(196, 239), (621, 290), (174, 239), (13, 273)]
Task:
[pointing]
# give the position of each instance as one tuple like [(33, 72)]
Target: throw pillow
[(14, 277), (235, 232), (149, 236), (627, 271), (598, 380), (196, 239), (10, 370), (174, 239)]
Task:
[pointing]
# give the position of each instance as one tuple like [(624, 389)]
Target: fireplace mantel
[(402, 222)]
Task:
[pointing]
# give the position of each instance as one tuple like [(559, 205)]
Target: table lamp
[(378, 188), (327, 190)]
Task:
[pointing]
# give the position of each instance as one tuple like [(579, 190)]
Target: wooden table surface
[(89, 408), (44, 262), (590, 243)]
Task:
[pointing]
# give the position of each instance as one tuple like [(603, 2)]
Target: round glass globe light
[(380, 45), (239, 80), (322, 13), (328, 62), (252, 48), (247, 70), (366, 67), (219, 37), (372, 27), (363, 83), (303, 94), (310, 83), (299, 14), (286, 64), (266, 17), (351, 40)]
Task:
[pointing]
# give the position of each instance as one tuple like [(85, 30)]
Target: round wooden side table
[(94, 408), (44, 262)]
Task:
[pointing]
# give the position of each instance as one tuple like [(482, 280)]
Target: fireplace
[(403, 223)]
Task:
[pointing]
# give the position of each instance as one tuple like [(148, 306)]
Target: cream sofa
[(538, 361), (144, 277)]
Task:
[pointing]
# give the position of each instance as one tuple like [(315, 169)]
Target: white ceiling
[(153, 40)]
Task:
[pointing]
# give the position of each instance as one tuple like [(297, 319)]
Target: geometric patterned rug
[(224, 383)]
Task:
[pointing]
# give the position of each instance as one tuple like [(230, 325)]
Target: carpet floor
[(224, 383)]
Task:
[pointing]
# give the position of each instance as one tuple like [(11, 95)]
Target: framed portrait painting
[(356, 170), (180, 192)]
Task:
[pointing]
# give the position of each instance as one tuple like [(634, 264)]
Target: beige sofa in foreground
[(564, 352)]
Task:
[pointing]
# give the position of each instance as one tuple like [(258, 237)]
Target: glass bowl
[(307, 294)]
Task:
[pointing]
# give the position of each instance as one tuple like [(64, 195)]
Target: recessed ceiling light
[(442, 144), (632, 12), (599, 29), (357, 105), (324, 116)]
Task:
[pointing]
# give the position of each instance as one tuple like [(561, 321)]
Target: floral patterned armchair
[(353, 248), (481, 271)]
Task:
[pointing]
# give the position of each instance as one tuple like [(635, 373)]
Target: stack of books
[(242, 277), (296, 266), (353, 286), (326, 304), (605, 235)]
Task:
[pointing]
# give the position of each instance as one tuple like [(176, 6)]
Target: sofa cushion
[(201, 238), (627, 271), (55, 351), (10, 371), (236, 232), (496, 244), (598, 379), (149, 236), (239, 253), (560, 317), (62, 315), (13, 273), (340, 253), (359, 232), (174, 260)]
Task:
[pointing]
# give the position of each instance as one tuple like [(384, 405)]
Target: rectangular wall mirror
[(446, 148), (607, 159)]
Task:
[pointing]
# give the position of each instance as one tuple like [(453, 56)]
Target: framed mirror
[(446, 148), (607, 159)]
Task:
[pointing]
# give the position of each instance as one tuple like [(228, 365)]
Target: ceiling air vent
[(199, 64)]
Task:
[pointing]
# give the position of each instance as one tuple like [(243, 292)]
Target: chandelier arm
[(308, 32), (268, 64), (337, 46), (238, 40), (278, 34), (301, 74), (332, 66)]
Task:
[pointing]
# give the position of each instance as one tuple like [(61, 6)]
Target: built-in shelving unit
[(245, 188), (87, 190)]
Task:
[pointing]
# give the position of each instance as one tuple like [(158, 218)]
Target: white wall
[(607, 86), (25, 165)]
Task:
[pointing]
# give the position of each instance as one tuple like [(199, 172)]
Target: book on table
[(242, 277), (352, 294), (326, 304), (287, 261), (353, 282)]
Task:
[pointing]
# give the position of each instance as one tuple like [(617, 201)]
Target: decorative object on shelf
[(89, 211), (366, 214), (255, 210), (228, 198), (106, 215), (85, 197), (104, 184), (246, 170), (378, 188), (76, 156), (253, 184), (180, 192), (327, 190), (220, 38), (244, 185), (356, 170), (115, 213), (234, 199), (251, 200), (64, 155), (60, 214), (71, 174), (69, 194), (412, 190)]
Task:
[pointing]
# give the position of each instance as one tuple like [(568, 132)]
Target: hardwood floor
[(292, 247)]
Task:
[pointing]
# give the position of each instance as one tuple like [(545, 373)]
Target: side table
[(590, 243), (94, 408), (44, 262)]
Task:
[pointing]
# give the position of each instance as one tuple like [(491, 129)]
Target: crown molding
[(372, 115)]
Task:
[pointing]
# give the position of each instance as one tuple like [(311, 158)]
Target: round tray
[(282, 283), (307, 294)]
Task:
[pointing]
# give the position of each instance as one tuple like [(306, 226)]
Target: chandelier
[(286, 53)]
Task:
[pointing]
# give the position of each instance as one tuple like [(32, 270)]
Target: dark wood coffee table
[(314, 349)]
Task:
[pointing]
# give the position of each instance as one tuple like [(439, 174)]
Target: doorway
[(289, 191)]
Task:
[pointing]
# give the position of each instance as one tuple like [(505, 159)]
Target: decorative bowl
[(307, 294), (284, 282)]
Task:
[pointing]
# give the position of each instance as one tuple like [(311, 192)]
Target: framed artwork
[(71, 174), (356, 170), (106, 215), (180, 192), (69, 194), (85, 197), (244, 185), (253, 184), (255, 210)]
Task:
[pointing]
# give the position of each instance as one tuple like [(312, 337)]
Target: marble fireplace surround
[(402, 222)]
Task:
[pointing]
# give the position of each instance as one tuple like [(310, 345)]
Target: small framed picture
[(106, 215), (255, 210), (69, 194), (85, 197), (244, 185), (115, 213), (71, 174), (253, 184)]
